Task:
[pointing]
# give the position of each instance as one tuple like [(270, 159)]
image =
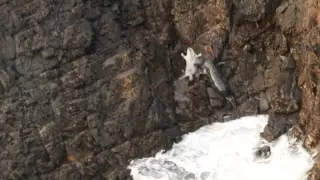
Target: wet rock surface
[(86, 86), (263, 152)]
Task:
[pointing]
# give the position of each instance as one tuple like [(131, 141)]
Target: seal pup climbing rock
[(196, 64), (192, 68)]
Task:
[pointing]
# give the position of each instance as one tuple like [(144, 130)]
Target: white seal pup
[(197, 64), (191, 59)]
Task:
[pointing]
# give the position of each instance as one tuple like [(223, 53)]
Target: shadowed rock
[(263, 152)]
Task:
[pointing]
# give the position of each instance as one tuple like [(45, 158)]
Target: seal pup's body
[(191, 59), (196, 64)]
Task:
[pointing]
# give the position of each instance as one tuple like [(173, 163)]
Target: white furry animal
[(191, 59), (197, 64)]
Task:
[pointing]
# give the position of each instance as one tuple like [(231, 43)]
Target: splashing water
[(225, 151)]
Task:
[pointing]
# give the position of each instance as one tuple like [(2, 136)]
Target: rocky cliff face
[(88, 85)]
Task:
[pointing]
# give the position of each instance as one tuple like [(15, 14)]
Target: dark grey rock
[(278, 125), (204, 175), (252, 11), (78, 35), (190, 176), (263, 103), (286, 17), (8, 49), (263, 152)]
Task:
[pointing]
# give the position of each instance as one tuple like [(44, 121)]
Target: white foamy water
[(225, 151)]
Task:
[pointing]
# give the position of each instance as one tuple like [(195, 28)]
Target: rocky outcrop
[(263, 152), (86, 86)]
